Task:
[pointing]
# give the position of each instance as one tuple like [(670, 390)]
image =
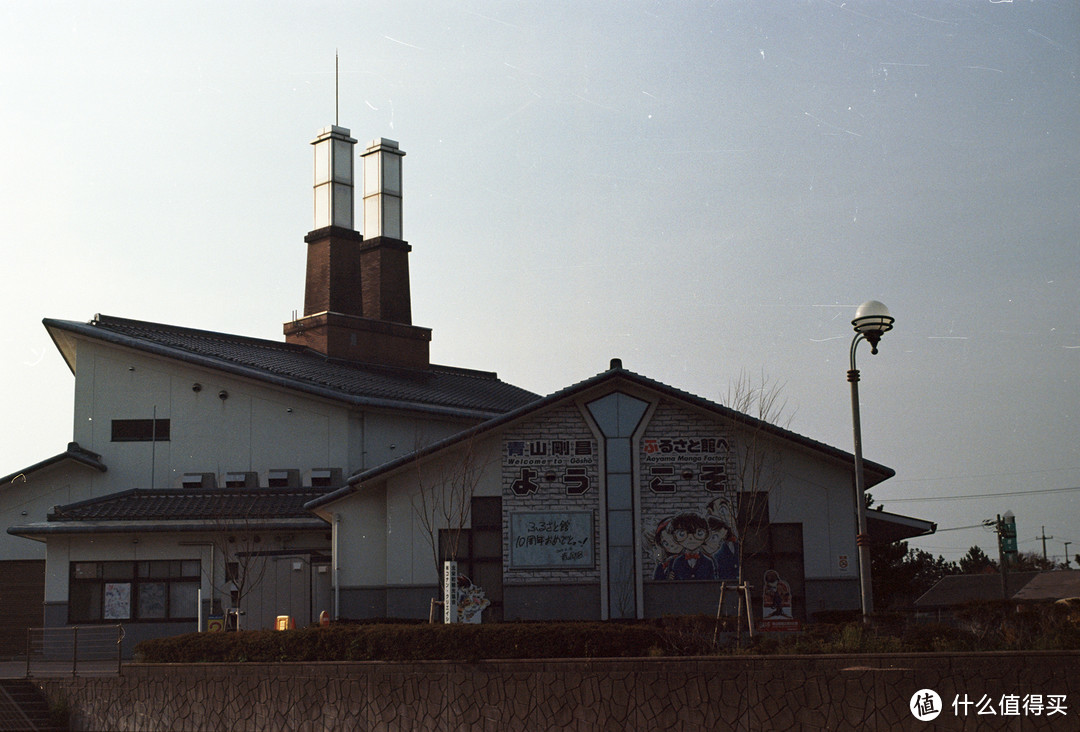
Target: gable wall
[(252, 430), (30, 500), (409, 558), (527, 463), (257, 428)]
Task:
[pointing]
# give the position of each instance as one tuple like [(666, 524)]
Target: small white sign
[(450, 592)]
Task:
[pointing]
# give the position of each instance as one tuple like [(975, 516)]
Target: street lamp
[(872, 320)]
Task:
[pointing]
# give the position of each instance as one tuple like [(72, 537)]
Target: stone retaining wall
[(728, 693)]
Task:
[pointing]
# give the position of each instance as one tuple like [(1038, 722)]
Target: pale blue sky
[(698, 188)]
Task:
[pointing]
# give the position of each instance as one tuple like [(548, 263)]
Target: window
[(134, 591), (140, 430)]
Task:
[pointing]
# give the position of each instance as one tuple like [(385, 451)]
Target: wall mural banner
[(702, 463), (561, 464), (671, 449), (550, 452), (553, 539), (688, 506), (694, 545)]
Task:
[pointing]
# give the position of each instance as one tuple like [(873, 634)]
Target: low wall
[(729, 693)]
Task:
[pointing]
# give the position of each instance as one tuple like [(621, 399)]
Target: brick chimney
[(357, 305)]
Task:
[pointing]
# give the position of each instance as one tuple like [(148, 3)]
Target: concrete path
[(54, 669)]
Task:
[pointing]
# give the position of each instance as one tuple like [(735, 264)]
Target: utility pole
[(999, 526), (1005, 528), (1044, 538), (1067, 560)]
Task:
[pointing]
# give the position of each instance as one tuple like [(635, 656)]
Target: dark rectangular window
[(134, 591), (140, 430)]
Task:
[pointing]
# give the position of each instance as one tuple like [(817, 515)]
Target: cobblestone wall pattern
[(870, 693)]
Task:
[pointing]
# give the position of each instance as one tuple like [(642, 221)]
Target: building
[(194, 451), (954, 592), (617, 497), (336, 470)]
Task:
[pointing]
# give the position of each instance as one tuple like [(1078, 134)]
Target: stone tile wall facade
[(730, 693), (538, 436)]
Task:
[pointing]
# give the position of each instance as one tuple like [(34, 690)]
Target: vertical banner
[(450, 592)]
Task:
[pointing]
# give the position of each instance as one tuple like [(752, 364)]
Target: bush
[(984, 627), (412, 642)]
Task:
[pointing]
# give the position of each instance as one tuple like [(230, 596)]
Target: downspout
[(213, 577), (334, 553)]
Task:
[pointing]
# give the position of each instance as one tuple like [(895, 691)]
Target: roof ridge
[(112, 320), (464, 371), (440, 389)]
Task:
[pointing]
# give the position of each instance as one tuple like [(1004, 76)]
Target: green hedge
[(410, 642), (983, 627)]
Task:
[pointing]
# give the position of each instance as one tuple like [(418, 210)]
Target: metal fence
[(78, 650)]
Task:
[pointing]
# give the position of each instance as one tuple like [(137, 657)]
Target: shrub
[(412, 642), (984, 627)]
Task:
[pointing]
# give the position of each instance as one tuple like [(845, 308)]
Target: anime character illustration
[(690, 531), (471, 601), (721, 508), (776, 597), (665, 548), (722, 546)]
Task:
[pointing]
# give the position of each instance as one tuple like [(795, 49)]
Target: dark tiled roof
[(960, 589), (875, 471), (172, 504), (74, 453), (1055, 585), (440, 389)]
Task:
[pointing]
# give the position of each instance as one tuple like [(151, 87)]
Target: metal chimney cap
[(383, 143)]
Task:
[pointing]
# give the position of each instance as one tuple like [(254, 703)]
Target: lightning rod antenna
[(336, 96)]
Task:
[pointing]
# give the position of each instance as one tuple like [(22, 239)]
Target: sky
[(706, 190)]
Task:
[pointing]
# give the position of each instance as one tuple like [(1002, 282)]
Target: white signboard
[(551, 540)]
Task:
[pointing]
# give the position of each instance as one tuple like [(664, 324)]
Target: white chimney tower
[(382, 189), (333, 178)]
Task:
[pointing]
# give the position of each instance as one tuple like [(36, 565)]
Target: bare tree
[(758, 464), (240, 547), (443, 503)]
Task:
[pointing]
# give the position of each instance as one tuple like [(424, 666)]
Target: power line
[(896, 481), (981, 495)]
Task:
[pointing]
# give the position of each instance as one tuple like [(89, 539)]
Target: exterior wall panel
[(21, 602)]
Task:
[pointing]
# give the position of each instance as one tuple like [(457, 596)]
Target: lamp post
[(872, 320)]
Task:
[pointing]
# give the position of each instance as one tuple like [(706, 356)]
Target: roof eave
[(42, 530), (119, 339), (74, 453), (902, 527), (63, 342), (875, 472)]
